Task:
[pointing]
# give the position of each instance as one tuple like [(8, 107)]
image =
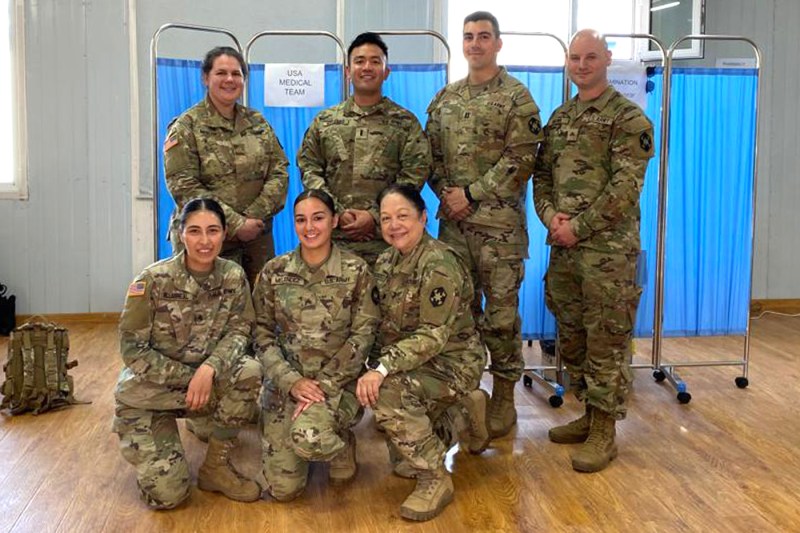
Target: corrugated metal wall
[(68, 248)]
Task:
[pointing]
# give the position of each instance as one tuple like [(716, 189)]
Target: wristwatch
[(375, 364)]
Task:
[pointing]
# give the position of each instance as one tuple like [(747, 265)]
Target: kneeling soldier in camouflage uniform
[(184, 333), (588, 178), (315, 324), (428, 359)]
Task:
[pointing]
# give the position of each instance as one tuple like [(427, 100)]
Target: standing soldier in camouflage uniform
[(588, 178), (184, 333), (428, 359), (356, 149), (223, 150), (484, 131), (315, 325)]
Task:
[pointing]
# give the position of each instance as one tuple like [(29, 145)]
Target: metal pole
[(566, 88), (306, 33), (431, 33), (154, 104), (658, 303), (746, 352)]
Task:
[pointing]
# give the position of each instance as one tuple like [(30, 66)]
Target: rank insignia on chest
[(438, 297), (198, 318), (572, 134), (376, 296), (362, 133)]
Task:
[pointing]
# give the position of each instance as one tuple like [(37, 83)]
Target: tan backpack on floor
[(36, 369)]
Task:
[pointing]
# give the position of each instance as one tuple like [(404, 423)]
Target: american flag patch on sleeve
[(136, 288)]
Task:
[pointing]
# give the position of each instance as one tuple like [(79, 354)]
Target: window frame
[(18, 188), (696, 51)]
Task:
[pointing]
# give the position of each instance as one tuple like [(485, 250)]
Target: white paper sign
[(736, 62), (630, 79), (294, 85)]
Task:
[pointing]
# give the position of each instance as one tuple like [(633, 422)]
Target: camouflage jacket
[(425, 299), (316, 324), (171, 324), (591, 167), (354, 153), (239, 163), (488, 143)]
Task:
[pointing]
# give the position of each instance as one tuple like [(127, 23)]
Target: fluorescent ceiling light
[(665, 6)]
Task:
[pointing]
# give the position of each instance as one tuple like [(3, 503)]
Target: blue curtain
[(290, 124), (708, 247), (709, 217)]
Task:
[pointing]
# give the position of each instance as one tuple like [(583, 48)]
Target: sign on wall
[(294, 85), (630, 79)]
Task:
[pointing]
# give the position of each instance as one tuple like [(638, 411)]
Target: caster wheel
[(742, 382), (527, 381), (684, 397), (555, 401), (659, 376)]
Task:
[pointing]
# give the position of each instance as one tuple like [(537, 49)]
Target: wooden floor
[(728, 461)]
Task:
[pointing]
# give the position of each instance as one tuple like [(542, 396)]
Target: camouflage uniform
[(354, 153), (239, 163), (485, 138), (591, 167), (428, 343), (171, 324), (318, 324)]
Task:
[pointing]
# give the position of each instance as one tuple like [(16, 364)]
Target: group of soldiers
[(483, 141)]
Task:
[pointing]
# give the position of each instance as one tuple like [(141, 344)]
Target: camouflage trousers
[(148, 432), (494, 258), (422, 416), (251, 255), (288, 446), (594, 298), (367, 250)]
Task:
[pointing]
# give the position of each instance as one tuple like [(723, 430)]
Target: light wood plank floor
[(728, 461)]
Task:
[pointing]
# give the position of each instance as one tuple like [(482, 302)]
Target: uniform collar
[(598, 104), (241, 121), (186, 282), (331, 267), (351, 107), (408, 263), (500, 80)]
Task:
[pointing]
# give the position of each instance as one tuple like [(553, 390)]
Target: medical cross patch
[(438, 296)]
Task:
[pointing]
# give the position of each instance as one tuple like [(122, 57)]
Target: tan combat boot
[(433, 492), (599, 448), (343, 467), (502, 415), (476, 437), (575, 432), (200, 427), (218, 474)]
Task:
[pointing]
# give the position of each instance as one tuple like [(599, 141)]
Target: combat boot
[(502, 415), (599, 448), (575, 432), (343, 467), (404, 470), (476, 437), (200, 427), (217, 474), (434, 491)]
